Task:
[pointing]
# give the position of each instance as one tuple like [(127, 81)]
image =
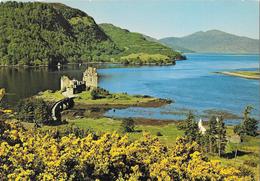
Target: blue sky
[(164, 18)]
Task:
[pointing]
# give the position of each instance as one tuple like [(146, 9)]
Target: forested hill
[(42, 33), (35, 33), (214, 41), (133, 43)]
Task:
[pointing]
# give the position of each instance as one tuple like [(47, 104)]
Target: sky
[(166, 18)]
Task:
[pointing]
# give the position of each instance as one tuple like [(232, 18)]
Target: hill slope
[(35, 33), (45, 33), (133, 43), (214, 41)]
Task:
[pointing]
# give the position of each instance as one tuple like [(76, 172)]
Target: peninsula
[(243, 74)]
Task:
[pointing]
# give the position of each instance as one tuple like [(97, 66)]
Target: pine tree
[(211, 134), (221, 136), (248, 125), (191, 128)]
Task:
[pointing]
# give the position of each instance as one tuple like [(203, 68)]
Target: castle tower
[(65, 82), (90, 77)]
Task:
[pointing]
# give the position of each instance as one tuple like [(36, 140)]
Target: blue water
[(192, 84)]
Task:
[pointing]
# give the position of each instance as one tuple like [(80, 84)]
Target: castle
[(70, 87)]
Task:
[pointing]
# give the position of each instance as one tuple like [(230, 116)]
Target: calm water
[(191, 84)]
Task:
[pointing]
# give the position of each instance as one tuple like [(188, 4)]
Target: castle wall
[(65, 82), (90, 77)]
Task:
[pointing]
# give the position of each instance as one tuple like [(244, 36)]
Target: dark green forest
[(36, 33), (41, 33)]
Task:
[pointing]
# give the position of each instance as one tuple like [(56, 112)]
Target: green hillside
[(35, 33), (134, 43), (45, 34), (214, 41)]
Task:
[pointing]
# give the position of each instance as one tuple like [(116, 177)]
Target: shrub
[(37, 155), (159, 133), (33, 110), (99, 93), (250, 163), (128, 125)]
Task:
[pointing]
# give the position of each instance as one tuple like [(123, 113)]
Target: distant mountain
[(133, 43), (175, 48), (214, 41)]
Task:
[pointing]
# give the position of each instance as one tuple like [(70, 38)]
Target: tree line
[(215, 138)]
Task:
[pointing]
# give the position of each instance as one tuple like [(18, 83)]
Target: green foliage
[(34, 111), (248, 125), (135, 43), (51, 33), (98, 93), (144, 58), (45, 34), (211, 135), (191, 129), (221, 136), (128, 125), (44, 155), (159, 133)]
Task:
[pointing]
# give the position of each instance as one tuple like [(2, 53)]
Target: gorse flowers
[(38, 155)]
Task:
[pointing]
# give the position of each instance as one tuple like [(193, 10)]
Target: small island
[(102, 98), (243, 74), (86, 93)]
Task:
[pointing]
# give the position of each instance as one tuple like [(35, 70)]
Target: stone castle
[(90, 77), (70, 87)]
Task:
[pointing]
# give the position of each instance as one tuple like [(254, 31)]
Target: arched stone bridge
[(60, 106)]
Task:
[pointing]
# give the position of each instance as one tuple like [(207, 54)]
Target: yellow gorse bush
[(36, 155)]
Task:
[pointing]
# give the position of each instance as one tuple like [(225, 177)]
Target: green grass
[(144, 58), (250, 146), (51, 96), (113, 99), (248, 73), (169, 132), (134, 43), (101, 125), (243, 74)]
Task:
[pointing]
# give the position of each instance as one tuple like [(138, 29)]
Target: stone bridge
[(60, 106)]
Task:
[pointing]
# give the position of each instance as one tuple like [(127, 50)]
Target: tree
[(41, 112), (191, 129), (248, 125), (31, 110), (128, 125), (221, 135), (211, 134)]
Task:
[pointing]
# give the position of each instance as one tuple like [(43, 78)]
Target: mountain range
[(213, 41)]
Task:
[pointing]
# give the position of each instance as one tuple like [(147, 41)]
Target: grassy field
[(113, 100), (243, 74), (247, 154), (169, 132)]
